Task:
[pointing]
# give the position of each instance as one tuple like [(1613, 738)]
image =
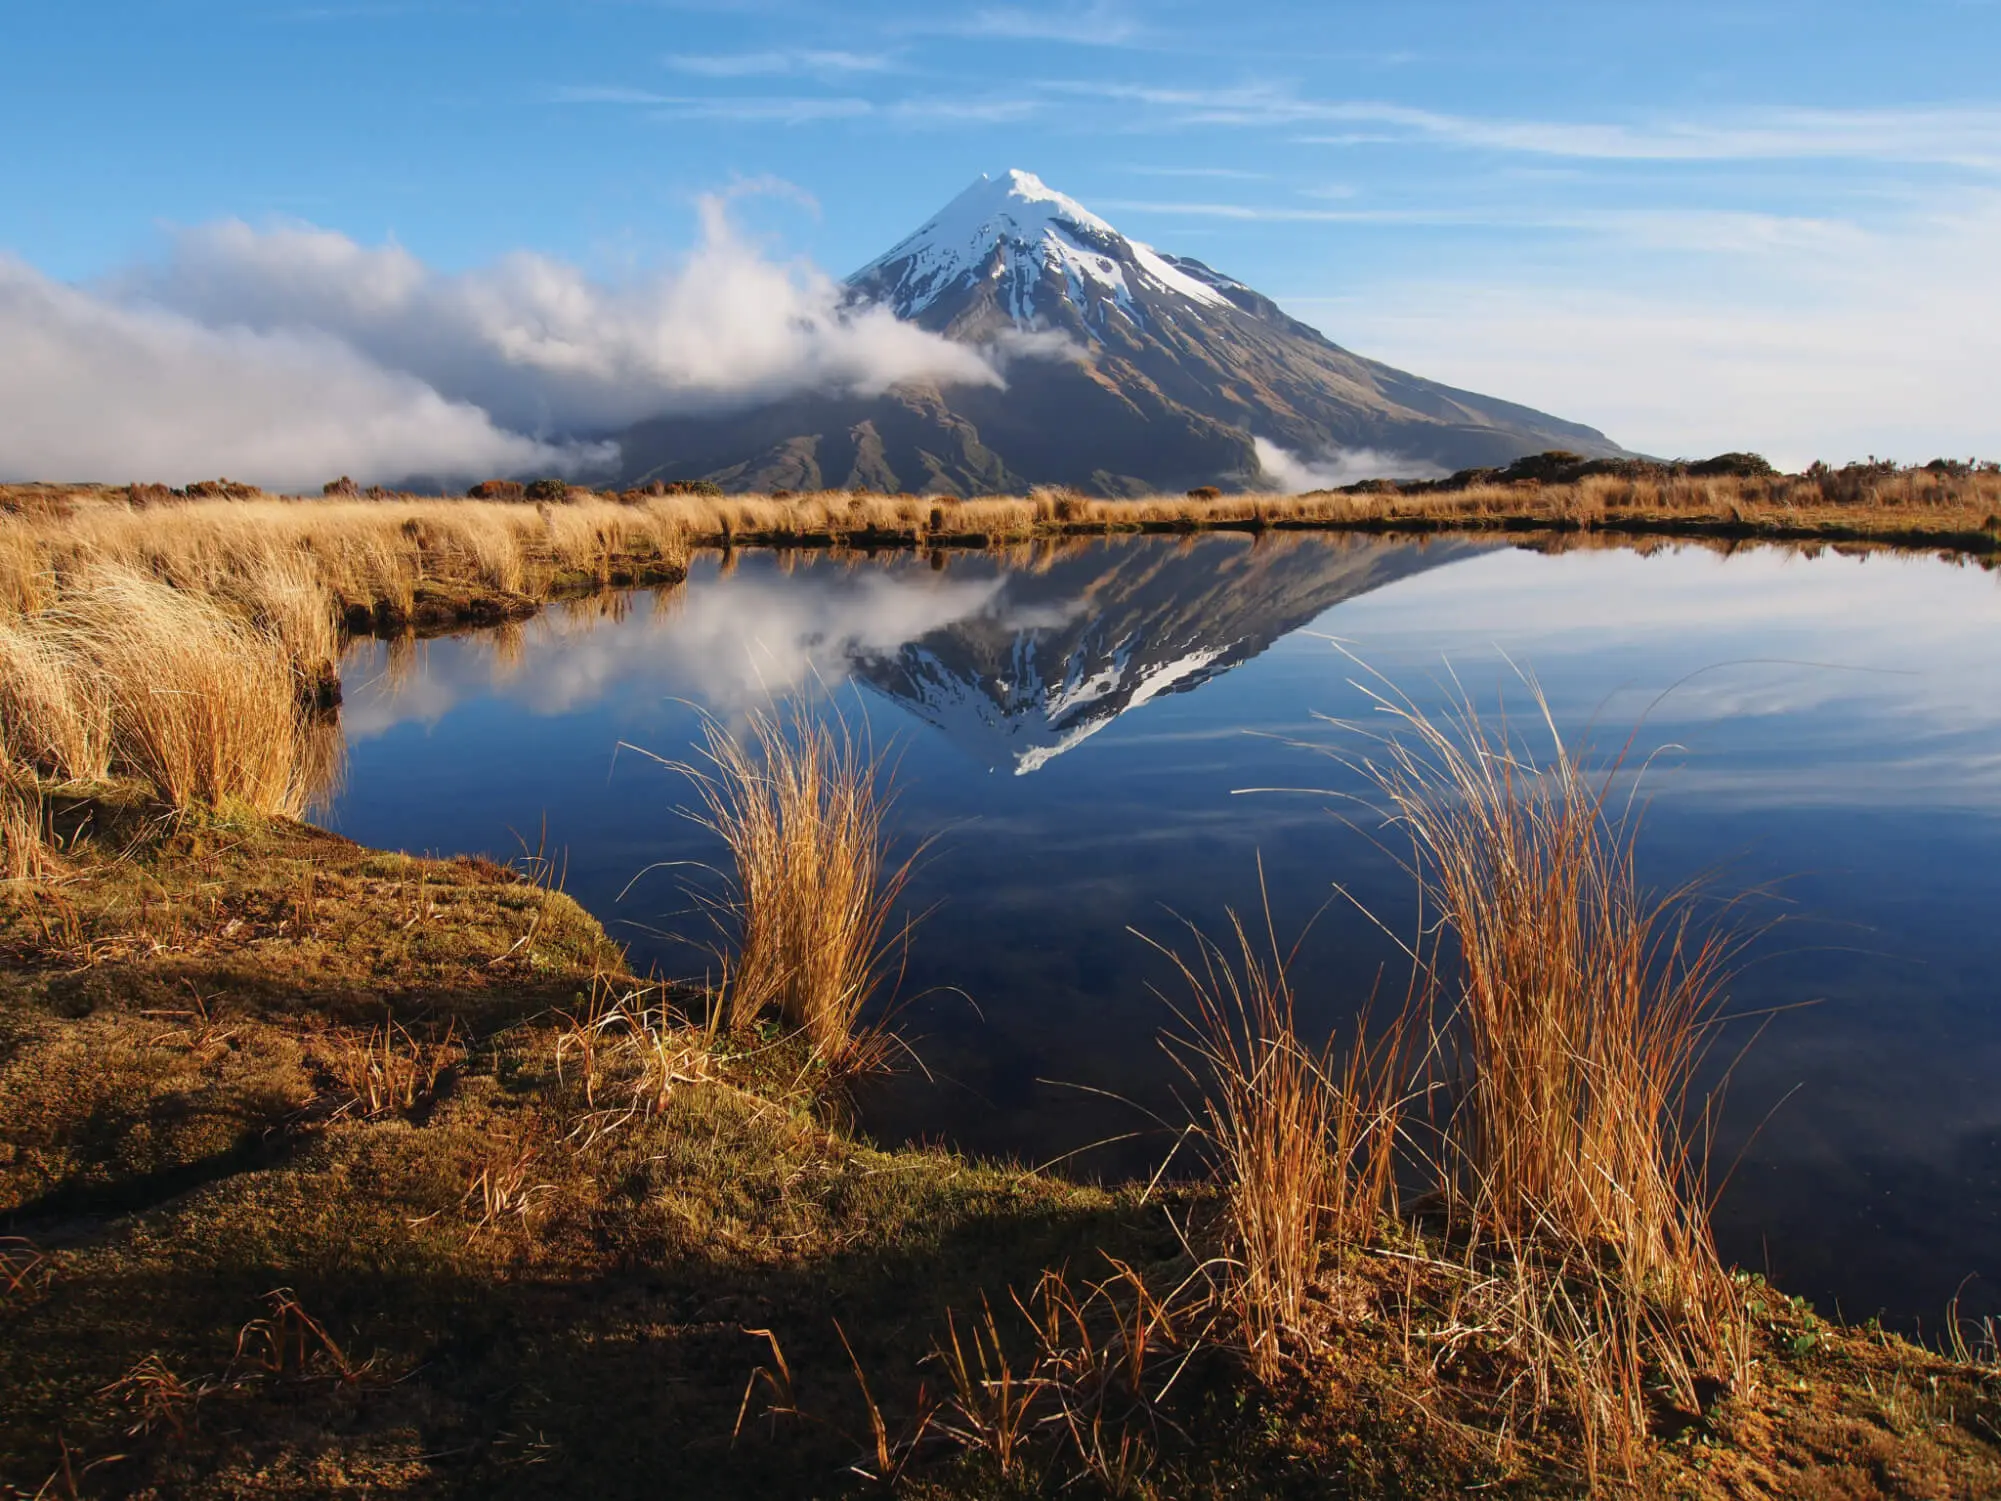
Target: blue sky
[(1698, 226)]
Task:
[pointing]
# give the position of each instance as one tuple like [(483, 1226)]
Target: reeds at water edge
[(1532, 1103), (1304, 1144), (1576, 1007), (802, 804)]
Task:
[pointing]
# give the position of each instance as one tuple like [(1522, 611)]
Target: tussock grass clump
[(389, 1069), (295, 566), (203, 707), (24, 847), (1554, 1256), (126, 676), (803, 806), (628, 1051), (1574, 1010), (1304, 1144), (55, 714)]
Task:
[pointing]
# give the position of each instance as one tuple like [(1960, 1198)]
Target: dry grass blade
[(501, 1188), (991, 1406), (1974, 1342), (288, 1341), (26, 852), (157, 1397), (775, 1379), (22, 1264), (1098, 1362), (627, 1056), (389, 1069)]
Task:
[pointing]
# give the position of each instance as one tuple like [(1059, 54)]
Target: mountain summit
[(1128, 371), (1015, 247)]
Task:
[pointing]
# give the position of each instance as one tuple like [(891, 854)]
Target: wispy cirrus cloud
[(1962, 136), (788, 62), (608, 93), (1098, 25), (752, 109), (796, 109), (1220, 174), (1279, 213), (945, 109), (774, 109), (1679, 229)]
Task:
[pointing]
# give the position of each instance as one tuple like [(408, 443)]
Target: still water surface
[(1075, 727)]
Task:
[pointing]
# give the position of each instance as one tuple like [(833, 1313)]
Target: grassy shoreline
[(333, 1171), (510, 554), (328, 1171)]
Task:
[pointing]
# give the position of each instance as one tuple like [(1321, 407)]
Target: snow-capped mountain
[(1046, 255), (1065, 647), (1128, 370)]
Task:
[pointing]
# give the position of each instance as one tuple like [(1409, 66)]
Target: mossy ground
[(232, 1277)]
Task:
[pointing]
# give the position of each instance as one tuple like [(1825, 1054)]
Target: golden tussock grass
[(124, 676), (1304, 1143), (1566, 1013), (802, 805), (202, 707), (1918, 507), (292, 563), (267, 553), (25, 853), (1572, 1012)]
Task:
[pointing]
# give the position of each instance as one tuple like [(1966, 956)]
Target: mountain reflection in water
[(1015, 656), (1828, 724)]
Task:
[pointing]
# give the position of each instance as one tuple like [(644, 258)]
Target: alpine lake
[(1100, 744)]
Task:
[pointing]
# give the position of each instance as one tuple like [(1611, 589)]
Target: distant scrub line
[(103, 589)]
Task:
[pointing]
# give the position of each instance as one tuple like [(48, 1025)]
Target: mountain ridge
[(1128, 370)]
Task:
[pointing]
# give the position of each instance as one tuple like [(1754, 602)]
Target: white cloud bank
[(1295, 475), (97, 390), (286, 356)]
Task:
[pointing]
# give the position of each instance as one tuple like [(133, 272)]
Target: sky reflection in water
[(1075, 726)]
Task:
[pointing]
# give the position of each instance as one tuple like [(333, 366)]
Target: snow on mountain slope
[(1016, 230)]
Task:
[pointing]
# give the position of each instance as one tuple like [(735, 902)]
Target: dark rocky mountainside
[(1127, 371)]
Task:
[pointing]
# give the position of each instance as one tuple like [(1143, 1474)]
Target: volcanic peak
[(1015, 229)]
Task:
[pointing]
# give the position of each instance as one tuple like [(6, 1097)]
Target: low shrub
[(497, 489), (1738, 465), (220, 489)]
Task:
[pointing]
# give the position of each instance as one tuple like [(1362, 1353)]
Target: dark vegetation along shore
[(328, 1171)]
